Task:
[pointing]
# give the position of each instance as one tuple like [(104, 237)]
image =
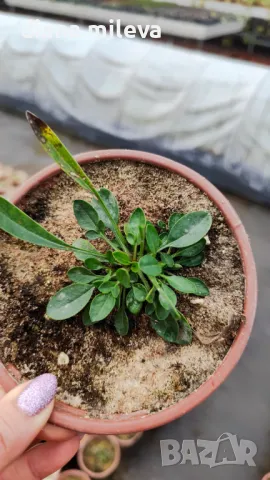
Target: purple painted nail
[(38, 394)]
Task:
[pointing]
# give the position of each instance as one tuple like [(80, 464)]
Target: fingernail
[(38, 394)]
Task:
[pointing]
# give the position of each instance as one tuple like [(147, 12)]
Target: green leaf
[(185, 332), (82, 244), (98, 281), (174, 218), (192, 261), (161, 225), (111, 204), (189, 229), (129, 236), (193, 250), (109, 257), (149, 308), (59, 153), (81, 275), (86, 316), (152, 239), (19, 225), (118, 301), (101, 306), (121, 322), (107, 276), (69, 301), (93, 264), (151, 295), (122, 258), (92, 235), (132, 304), (133, 277), (115, 243), (86, 215), (123, 277), (150, 266), (136, 223), (107, 287), (135, 267), (106, 204), (167, 259), (172, 332), (139, 292), (164, 238), (167, 297), (116, 291), (187, 285), (161, 312), (110, 287), (168, 329), (176, 266)]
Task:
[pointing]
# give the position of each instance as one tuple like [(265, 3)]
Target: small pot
[(129, 439), (87, 440), (78, 474), (74, 418), (53, 476)]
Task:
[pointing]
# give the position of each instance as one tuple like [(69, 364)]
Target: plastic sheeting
[(208, 112)]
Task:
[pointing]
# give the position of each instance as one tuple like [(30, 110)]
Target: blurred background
[(200, 95)]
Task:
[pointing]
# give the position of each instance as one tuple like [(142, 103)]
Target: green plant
[(138, 270), (99, 454)]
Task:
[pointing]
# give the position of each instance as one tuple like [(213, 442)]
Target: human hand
[(24, 412)]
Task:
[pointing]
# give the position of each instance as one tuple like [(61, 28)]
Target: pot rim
[(117, 456), (76, 419), (74, 471), (131, 441)]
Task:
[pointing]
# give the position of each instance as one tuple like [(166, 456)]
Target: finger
[(24, 411), (49, 432), (2, 392), (41, 461), (55, 434)]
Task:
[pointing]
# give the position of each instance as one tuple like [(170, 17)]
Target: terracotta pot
[(72, 418), (117, 457), (76, 473), (129, 442)]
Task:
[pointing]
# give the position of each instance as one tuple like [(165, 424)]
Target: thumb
[(23, 413)]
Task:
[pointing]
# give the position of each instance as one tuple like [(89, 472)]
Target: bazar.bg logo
[(226, 450)]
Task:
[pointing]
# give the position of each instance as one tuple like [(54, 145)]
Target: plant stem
[(108, 241), (135, 252), (156, 284), (176, 254), (141, 252), (91, 254), (143, 279), (116, 229), (124, 298), (150, 292)]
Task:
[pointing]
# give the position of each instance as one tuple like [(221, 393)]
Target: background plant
[(137, 273)]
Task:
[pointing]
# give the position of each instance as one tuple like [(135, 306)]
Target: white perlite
[(63, 359)]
